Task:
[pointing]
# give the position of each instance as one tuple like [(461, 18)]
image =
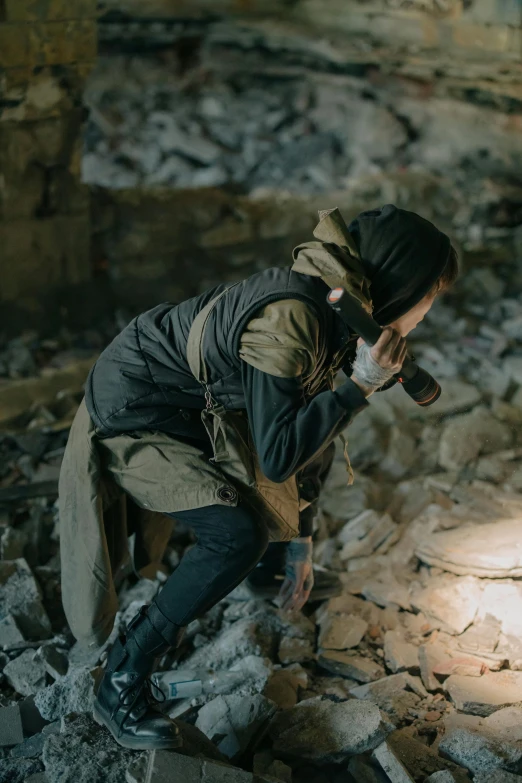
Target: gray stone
[(391, 765), (441, 777), (393, 695), (18, 770), (10, 634), (54, 661), (233, 722), (73, 693), (487, 550), (31, 748), (385, 591), (479, 753), (12, 543), (254, 635), (465, 437), (362, 771), (161, 766), (482, 637), (354, 667), (450, 603), (341, 631), (81, 748), (21, 597), (487, 694), (38, 777), (273, 769), (295, 650), (374, 530), (25, 673), (496, 776), (11, 731), (324, 732), (430, 656), (400, 655)]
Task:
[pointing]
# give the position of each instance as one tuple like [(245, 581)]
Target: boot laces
[(136, 689)]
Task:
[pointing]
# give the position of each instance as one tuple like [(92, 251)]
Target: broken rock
[(81, 748), (11, 731), (324, 732), (465, 437), (354, 667), (391, 765), (487, 694), (233, 722), (341, 631), (73, 693), (21, 596), (25, 674), (400, 655), (488, 550), (449, 602), (394, 695)]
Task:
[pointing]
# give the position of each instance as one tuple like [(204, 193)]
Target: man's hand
[(389, 351), (373, 367), (299, 575)]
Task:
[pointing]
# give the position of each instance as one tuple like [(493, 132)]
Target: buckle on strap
[(208, 397)]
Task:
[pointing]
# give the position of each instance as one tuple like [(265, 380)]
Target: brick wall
[(47, 49)]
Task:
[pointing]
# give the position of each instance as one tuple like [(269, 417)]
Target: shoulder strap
[(195, 339)]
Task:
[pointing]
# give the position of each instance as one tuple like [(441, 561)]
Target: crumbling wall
[(47, 48)]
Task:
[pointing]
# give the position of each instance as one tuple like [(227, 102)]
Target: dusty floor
[(415, 670)]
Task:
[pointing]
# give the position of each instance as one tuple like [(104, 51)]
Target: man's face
[(407, 322)]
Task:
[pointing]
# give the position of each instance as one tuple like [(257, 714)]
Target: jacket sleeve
[(279, 348), (289, 432)]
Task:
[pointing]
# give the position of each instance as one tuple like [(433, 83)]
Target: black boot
[(124, 702)]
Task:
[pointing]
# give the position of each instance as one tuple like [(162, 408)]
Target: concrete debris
[(272, 769), (72, 693), (484, 695), (451, 603), (21, 597), (161, 766), (399, 654), (299, 650), (480, 753), (396, 695), (234, 722), (354, 667), (440, 777), (19, 770), (391, 765), (285, 685), (420, 759), (54, 661), (485, 550), (341, 631), (365, 534), (10, 634), (26, 674), (465, 437), (363, 770), (81, 747), (11, 730), (324, 732)]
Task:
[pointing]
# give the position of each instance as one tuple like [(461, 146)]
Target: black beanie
[(403, 255)]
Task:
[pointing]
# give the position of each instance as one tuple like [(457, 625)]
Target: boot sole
[(136, 744)]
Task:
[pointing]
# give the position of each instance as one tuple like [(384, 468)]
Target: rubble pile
[(413, 673)]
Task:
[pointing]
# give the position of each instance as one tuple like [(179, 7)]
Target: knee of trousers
[(249, 536)]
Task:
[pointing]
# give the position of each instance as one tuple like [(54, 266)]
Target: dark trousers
[(230, 543)]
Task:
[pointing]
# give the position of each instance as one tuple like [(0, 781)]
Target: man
[(266, 349)]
